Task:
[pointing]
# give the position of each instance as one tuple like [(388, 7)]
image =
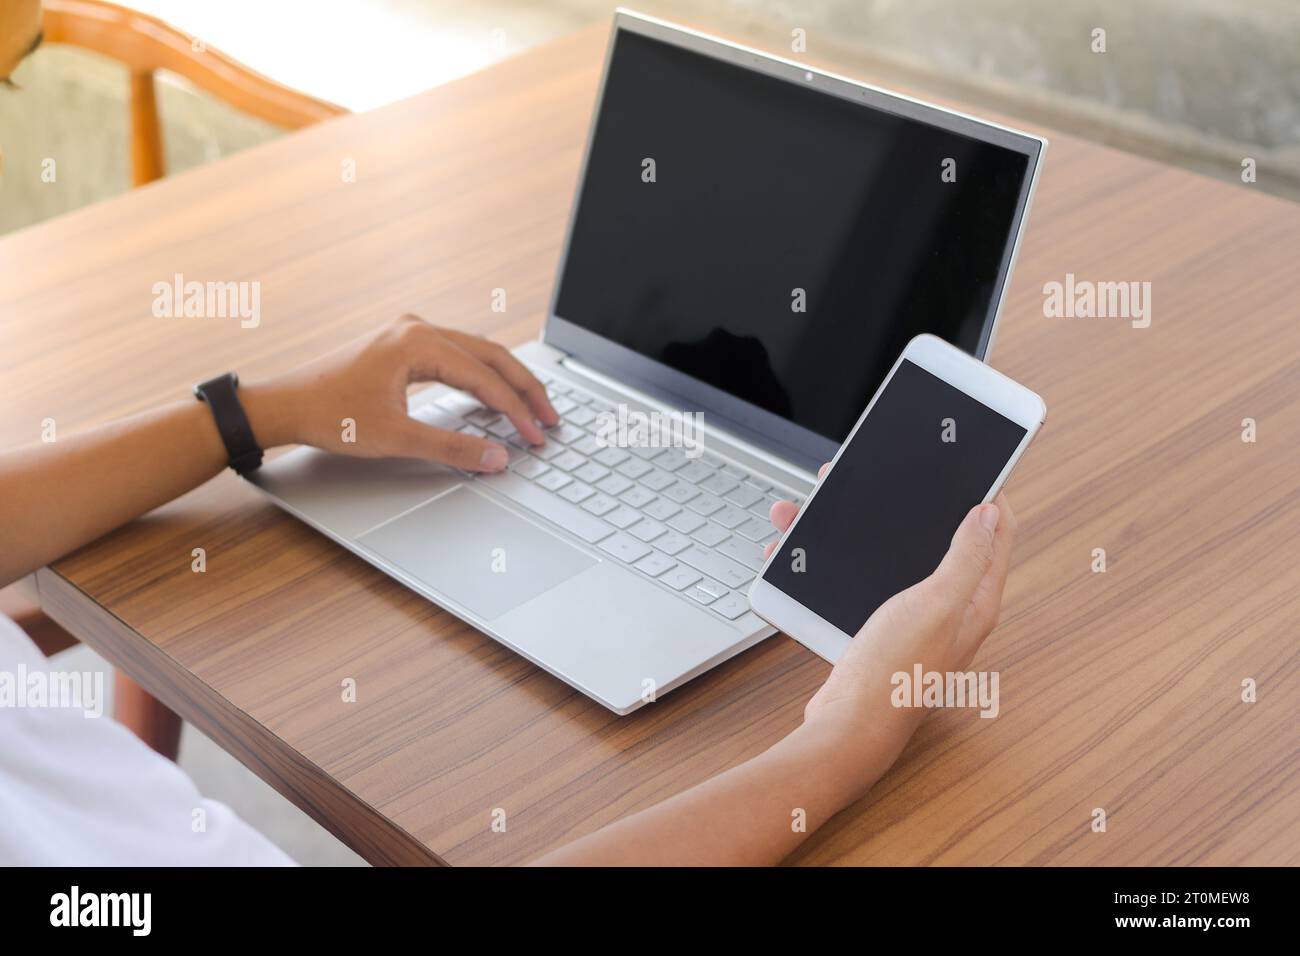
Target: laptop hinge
[(721, 434)]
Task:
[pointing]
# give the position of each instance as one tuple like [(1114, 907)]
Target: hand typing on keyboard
[(365, 383)]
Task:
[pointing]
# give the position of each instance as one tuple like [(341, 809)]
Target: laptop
[(751, 245)]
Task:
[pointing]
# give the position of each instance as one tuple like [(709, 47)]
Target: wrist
[(270, 411), (839, 771), (846, 760)]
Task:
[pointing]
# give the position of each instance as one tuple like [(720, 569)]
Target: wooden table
[(1120, 690)]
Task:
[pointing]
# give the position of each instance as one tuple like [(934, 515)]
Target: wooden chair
[(147, 45)]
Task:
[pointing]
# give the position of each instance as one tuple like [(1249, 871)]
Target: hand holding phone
[(939, 624), (941, 435)]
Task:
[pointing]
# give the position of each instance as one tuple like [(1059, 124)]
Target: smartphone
[(940, 436)]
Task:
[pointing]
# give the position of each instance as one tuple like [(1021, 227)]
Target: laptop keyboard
[(694, 525)]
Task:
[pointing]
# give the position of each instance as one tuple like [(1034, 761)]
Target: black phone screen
[(884, 516)]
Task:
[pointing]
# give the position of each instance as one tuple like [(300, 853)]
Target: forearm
[(755, 814), (56, 497)]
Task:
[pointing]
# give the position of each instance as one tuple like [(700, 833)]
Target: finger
[(466, 452), (1004, 539), (987, 599), (511, 369), (782, 514), (821, 472), (969, 557), (439, 358)]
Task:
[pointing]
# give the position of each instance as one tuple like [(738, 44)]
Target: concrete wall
[(1199, 83)]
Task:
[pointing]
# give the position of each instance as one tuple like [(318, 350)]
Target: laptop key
[(710, 535), (685, 522), (756, 529), (717, 484), (680, 578), (599, 504), (625, 547), (655, 564), (611, 456), (672, 543), (614, 484), (763, 508), (563, 405), (548, 506), (680, 493), (645, 451), (730, 517), (694, 472), (657, 480), (502, 428), (744, 497), (714, 588), (647, 530), (576, 492), (746, 552), (671, 460), (716, 566), (437, 417), (661, 509), (581, 416), (587, 445), (705, 504), (459, 403), (568, 461), (553, 480), (565, 433), (731, 606), (530, 467), (638, 497), (483, 417), (548, 451), (634, 468), (591, 472), (700, 595), (622, 517), (473, 430)]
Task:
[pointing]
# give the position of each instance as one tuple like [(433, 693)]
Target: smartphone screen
[(885, 514)]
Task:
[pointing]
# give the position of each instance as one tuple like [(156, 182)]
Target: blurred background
[(1201, 84), (1198, 83)]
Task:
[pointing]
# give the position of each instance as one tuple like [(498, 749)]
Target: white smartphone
[(940, 436)]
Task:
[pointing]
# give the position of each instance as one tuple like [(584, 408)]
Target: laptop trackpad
[(476, 552)]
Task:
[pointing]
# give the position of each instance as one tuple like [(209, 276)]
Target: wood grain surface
[(1120, 690)]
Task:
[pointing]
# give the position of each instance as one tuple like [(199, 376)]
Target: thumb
[(969, 556), (466, 452)]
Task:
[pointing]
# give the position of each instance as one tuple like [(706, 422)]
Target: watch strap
[(222, 398)]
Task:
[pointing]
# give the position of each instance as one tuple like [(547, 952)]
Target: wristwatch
[(232, 423)]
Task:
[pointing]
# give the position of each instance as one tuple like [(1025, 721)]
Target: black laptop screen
[(779, 243)]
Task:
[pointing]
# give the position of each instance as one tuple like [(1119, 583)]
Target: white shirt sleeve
[(82, 790)]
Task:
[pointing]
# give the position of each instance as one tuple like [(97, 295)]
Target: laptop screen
[(780, 244)]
